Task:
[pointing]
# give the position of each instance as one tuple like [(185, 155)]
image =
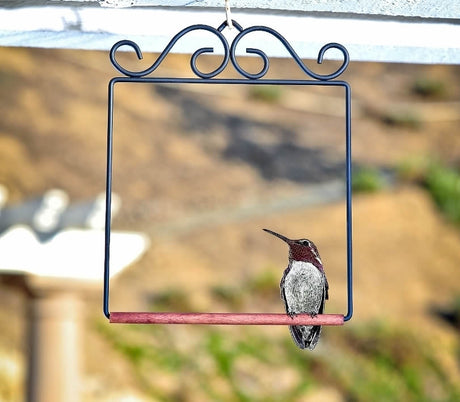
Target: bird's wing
[(283, 295), (297, 333), (305, 336), (324, 297), (313, 337), (286, 271)]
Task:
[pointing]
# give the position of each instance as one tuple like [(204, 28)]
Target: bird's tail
[(305, 336)]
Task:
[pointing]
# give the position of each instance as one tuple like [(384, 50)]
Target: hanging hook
[(228, 14)]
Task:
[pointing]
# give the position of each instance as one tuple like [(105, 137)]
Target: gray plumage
[(304, 288)]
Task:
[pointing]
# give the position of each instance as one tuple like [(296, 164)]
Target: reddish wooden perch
[(224, 318)]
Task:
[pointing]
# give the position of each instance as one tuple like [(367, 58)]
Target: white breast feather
[(304, 285)]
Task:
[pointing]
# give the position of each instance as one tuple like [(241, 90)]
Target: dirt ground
[(199, 170)]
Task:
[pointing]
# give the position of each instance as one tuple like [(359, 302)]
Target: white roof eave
[(420, 32)]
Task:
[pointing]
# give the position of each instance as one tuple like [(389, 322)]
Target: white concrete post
[(56, 273), (54, 346)]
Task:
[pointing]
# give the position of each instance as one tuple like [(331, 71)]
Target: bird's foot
[(292, 314), (312, 315)]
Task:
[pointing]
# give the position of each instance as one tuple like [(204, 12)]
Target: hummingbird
[(304, 288)]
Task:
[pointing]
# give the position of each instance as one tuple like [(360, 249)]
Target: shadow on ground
[(279, 156)]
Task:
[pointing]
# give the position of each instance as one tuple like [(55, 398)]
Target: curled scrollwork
[(168, 48), (230, 54), (295, 56)]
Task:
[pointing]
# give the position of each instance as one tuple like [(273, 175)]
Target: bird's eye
[(305, 242)]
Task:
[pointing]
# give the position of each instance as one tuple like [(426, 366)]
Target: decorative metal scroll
[(229, 54)]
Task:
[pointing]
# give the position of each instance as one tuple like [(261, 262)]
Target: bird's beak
[(284, 238)]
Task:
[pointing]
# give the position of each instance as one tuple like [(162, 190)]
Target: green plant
[(268, 94), (368, 361), (444, 185), (405, 118), (367, 180), (230, 296), (413, 168), (429, 87), (172, 299), (266, 283), (390, 364)]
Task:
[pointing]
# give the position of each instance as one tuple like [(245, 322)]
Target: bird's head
[(301, 249)]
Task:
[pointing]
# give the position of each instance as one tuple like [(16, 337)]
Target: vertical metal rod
[(349, 203), (108, 199)]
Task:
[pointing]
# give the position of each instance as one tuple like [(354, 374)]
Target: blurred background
[(201, 170)]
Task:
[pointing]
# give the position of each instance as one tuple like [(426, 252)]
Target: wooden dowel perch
[(224, 318)]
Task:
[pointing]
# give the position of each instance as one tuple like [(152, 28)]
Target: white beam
[(435, 9), (428, 32)]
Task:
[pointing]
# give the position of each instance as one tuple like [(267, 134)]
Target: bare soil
[(182, 152)]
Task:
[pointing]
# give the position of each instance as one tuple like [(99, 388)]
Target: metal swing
[(248, 79)]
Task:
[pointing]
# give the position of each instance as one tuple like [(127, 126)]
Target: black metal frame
[(249, 79)]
